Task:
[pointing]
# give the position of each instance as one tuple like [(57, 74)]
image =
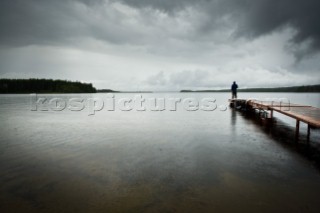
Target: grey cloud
[(251, 18), (265, 16), (158, 80), (63, 22), (182, 79), (36, 22), (188, 78), (91, 2), (221, 79), (168, 6), (134, 38), (59, 22)]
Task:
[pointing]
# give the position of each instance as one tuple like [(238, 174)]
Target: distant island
[(106, 91), (308, 88), (44, 86), (114, 91)]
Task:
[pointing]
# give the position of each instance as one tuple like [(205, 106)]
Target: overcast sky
[(162, 44)]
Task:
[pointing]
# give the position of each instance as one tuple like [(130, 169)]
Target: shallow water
[(165, 161)]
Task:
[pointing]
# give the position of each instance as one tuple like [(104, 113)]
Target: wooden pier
[(301, 113)]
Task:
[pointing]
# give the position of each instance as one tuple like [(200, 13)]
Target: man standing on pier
[(234, 88)]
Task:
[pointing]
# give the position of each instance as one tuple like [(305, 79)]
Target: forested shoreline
[(44, 86)]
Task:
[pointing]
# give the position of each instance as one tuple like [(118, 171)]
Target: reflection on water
[(233, 117), (284, 134), (150, 161)]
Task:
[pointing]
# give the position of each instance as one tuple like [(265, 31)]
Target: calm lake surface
[(155, 161)]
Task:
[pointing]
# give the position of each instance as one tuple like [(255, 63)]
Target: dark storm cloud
[(36, 22), (63, 22), (59, 22), (166, 5), (252, 18), (261, 17)]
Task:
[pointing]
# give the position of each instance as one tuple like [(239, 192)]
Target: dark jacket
[(234, 87)]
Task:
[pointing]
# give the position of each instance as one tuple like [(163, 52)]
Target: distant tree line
[(44, 86), (308, 88), (106, 91)]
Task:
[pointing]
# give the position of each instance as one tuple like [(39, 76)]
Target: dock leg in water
[(297, 130), (308, 134)]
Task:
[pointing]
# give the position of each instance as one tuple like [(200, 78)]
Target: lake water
[(155, 161)]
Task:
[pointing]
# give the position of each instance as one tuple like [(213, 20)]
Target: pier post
[(297, 129), (308, 133), (271, 113)]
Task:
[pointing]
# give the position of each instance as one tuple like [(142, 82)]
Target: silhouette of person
[(234, 88)]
